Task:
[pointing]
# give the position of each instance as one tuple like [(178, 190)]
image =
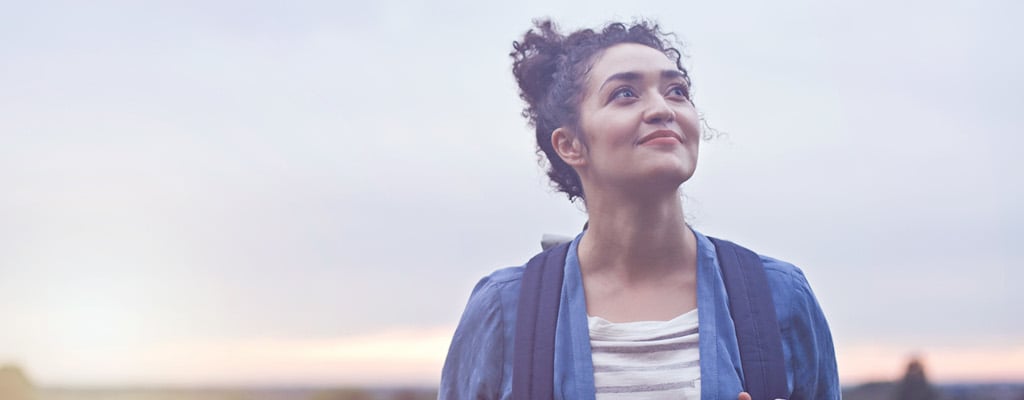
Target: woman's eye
[(623, 93), (678, 91)]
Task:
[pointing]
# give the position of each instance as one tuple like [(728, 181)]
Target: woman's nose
[(658, 112)]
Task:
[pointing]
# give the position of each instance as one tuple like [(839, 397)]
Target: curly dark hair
[(551, 69)]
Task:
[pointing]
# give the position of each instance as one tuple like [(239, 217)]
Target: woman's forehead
[(629, 58)]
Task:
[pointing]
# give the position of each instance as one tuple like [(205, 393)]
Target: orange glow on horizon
[(415, 356), (394, 357), (869, 363)]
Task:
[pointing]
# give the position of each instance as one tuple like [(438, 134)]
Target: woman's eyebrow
[(632, 76), (672, 74), (629, 76)]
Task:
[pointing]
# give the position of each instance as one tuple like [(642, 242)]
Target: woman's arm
[(475, 366), (806, 337)]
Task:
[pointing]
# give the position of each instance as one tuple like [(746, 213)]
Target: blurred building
[(915, 385)]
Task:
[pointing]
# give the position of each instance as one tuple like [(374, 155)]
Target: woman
[(614, 118)]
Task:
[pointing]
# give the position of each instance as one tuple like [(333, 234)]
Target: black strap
[(757, 327), (533, 367)]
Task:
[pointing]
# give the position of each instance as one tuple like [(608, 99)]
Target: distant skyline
[(258, 192)]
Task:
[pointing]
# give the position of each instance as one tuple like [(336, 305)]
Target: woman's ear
[(569, 147)]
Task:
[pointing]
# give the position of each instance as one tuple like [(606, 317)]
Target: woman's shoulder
[(502, 277), (781, 274), (784, 273), (500, 283), (795, 302), (495, 293), (791, 292)]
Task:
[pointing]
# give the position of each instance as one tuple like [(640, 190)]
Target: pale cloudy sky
[(244, 192)]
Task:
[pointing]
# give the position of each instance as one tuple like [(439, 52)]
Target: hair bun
[(535, 62)]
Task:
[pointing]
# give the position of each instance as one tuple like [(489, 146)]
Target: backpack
[(750, 304)]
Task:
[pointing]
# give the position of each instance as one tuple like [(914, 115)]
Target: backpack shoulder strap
[(757, 327), (539, 297)]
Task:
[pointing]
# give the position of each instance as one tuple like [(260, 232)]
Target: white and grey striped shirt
[(646, 359)]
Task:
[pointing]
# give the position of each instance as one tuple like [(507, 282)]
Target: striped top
[(646, 359)]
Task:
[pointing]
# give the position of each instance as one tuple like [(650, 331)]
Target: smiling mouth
[(661, 136)]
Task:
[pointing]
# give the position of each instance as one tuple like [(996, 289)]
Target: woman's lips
[(661, 137)]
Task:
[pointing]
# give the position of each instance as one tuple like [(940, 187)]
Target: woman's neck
[(637, 239)]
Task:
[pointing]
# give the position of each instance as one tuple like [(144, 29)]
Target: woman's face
[(640, 128)]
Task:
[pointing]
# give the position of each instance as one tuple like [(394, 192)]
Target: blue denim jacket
[(479, 363)]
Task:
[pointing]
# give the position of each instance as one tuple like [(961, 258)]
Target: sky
[(234, 193)]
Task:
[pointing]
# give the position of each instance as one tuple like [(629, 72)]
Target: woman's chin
[(673, 174)]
